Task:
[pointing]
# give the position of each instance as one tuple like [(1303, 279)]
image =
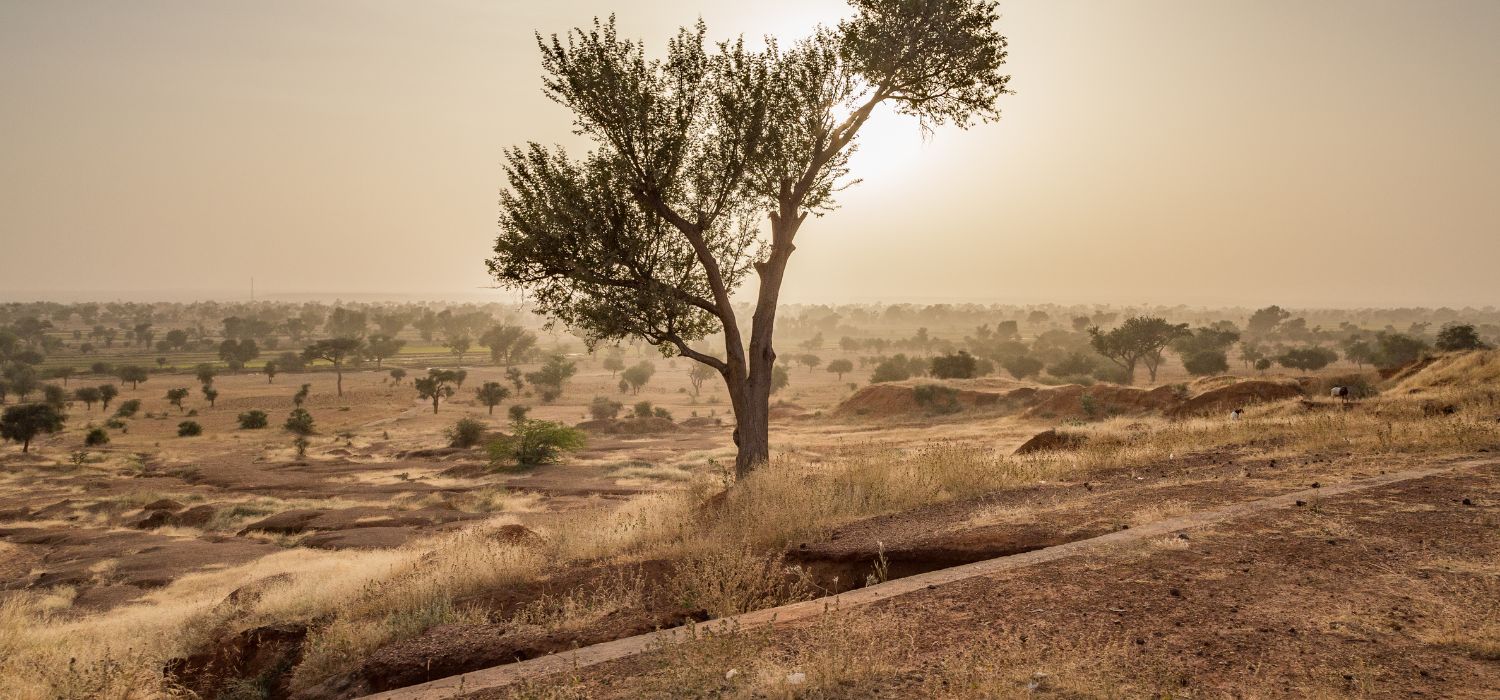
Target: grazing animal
[(1341, 393), (1236, 413)]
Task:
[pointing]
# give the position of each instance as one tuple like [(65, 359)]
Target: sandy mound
[(1465, 369), (1101, 401), (1238, 395), (1049, 440), (933, 397)]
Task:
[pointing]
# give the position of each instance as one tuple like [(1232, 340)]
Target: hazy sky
[(1300, 152)]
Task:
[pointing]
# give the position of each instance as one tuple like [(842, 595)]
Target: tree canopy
[(706, 164)]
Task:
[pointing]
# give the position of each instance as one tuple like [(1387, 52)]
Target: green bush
[(467, 432), (253, 419), (96, 437), (643, 409), (129, 408), (604, 409), (534, 442), (189, 428), (1204, 363)]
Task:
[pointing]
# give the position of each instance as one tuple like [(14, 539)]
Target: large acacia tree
[(706, 164)]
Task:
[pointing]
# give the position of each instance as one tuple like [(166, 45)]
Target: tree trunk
[(338, 371)]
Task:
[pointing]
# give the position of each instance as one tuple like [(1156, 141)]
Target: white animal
[(1236, 413), (1340, 392)]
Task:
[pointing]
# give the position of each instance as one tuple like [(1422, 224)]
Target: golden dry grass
[(374, 598)]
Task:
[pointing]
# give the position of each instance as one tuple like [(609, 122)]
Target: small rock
[(797, 678), (731, 673)]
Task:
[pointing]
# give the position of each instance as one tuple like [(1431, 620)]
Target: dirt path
[(501, 676)]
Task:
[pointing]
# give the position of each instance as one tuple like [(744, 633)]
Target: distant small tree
[(380, 347), (1081, 323), (66, 371), (840, 367), (513, 375), (1308, 359), (1397, 349), (549, 380), (436, 386), (235, 353), (1263, 321), (809, 360), (508, 344), (517, 412), (205, 374), (638, 375), (959, 365), (535, 442), (602, 408), (397, 374), (270, 369), (300, 424), (459, 346), (491, 394), (1138, 339), (88, 395), (175, 397), (96, 437), (301, 396), (135, 374), (1203, 363), (466, 433), (55, 395), (1022, 366), (24, 422), (1074, 364), (336, 351), (128, 408), (1263, 364), (459, 375), (1459, 336), (189, 428), (107, 393), (699, 374), (641, 409), (210, 394), (614, 363), (253, 419), (779, 378), (891, 369)]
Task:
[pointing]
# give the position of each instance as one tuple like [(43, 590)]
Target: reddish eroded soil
[(1391, 592)]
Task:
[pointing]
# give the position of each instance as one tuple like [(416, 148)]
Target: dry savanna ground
[(224, 566)]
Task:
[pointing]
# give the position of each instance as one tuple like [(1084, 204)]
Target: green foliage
[(1459, 336), (210, 394), (88, 395), (1022, 366), (135, 374), (128, 408), (96, 437), (253, 419), (490, 394), (550, 378), (189, 428), (840, 367), (1072, 365), (1263, 321), (1139, 339), (602, 408), (381, 346), (1308, 359), (467, 432), (107, 393), (1395, 349), (534, 442), (397, 374), (517, 412), (1203, 363), (175, 396), (893, 369), (436, 386), (637, 375), (24, 422), (1263, 364), (960, 365), (642, 409), (508, 344), (299, 422), (779, 378)]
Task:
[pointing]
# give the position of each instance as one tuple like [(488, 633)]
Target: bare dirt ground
[(1389, 592), (384, 558)]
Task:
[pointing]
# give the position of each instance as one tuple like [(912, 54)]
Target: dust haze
[(907, 348)]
